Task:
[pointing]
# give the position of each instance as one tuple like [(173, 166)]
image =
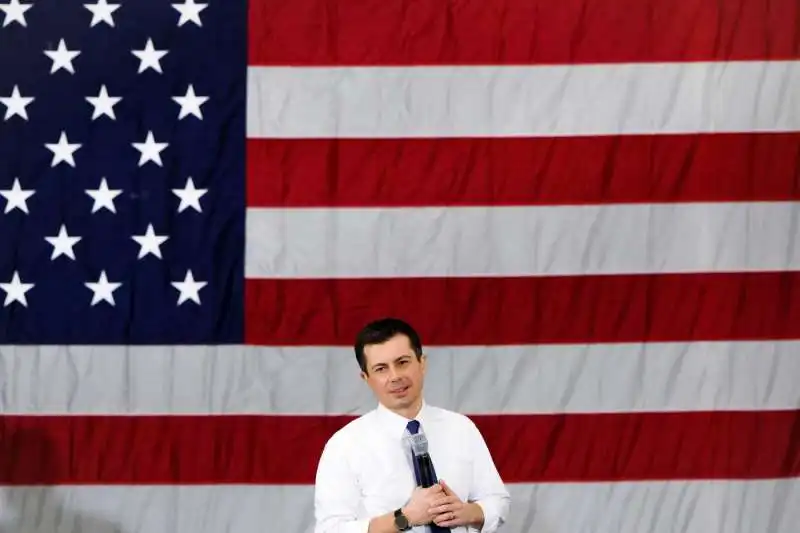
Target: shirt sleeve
[(488, 489), (336, 493)]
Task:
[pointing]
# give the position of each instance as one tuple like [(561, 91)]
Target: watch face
[(401, 522)]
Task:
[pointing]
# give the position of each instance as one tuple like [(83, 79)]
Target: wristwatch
[(400, 521)]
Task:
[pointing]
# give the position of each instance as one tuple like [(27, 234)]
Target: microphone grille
[(419, 443)]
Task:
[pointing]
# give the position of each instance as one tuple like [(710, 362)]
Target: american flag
[(587, 207)]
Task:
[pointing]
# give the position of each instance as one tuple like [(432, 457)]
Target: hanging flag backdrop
[(588, 208)]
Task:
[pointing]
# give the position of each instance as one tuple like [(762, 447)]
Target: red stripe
[(394, 32), (578, 309), (506, 171), (269, 449)]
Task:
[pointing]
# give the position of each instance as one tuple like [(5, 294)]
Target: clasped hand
[(437, 504)]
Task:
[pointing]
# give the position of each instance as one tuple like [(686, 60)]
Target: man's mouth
[(399, 391)]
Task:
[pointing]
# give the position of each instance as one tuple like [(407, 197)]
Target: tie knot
[(413, 427)]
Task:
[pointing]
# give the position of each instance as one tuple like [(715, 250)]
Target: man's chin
[(401, 401)]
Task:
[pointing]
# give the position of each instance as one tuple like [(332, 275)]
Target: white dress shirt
[(366, 470)]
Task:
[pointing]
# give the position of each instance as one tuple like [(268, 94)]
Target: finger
[(446, 488), (452, 503), (439, 509), (447, 520)]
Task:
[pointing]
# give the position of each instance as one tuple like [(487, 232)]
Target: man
[(366, 479)]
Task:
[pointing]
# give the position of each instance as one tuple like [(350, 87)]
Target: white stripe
[(311, 380), (466, 101), (515, 241), (654, 507)]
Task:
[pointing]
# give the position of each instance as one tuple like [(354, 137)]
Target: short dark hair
[(380, 331)]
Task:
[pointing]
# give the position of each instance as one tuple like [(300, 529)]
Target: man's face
[(394, 374)]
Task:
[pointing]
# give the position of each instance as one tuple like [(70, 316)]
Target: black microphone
[(419, 450)]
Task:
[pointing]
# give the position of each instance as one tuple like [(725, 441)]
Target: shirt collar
[(396, 424)]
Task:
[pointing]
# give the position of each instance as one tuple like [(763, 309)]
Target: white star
[(190, 103), (190, 12), (103, 103), (16, 197), (15, 12), (103, 197), (190, 197), (62, 57), (102, 12), (103, 289), (63, 243), (150, 150), (16, 104), (189, 288), (149, 57), (15, 290), (150, 243), (63, 151)]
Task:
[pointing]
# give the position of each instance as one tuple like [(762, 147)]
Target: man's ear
[(364, 376)]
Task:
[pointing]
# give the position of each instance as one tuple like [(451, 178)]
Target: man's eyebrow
[(399, 358)]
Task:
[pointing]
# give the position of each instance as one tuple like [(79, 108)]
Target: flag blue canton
[(115, 109)]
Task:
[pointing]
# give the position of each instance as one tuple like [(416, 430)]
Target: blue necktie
[(413, 428)]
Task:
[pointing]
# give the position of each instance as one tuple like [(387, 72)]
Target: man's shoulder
[(353, 431), (454, 418)]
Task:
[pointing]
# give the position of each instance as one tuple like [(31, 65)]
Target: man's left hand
[(450, 511)]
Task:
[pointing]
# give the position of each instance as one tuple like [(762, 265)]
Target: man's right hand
[(417, 508)]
